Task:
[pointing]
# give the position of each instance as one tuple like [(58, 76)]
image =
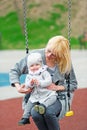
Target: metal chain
[(69, 38), (69, 21), (25, 25)]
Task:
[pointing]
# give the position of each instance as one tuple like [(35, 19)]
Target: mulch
[(11, 112)]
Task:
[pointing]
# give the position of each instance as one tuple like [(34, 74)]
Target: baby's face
[(35, 67)]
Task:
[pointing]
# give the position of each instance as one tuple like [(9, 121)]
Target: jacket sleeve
[(19, 69), (46, 79)]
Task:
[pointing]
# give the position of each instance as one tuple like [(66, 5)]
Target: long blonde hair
[(60, 47)]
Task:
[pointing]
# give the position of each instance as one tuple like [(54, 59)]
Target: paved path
[(9, 58)]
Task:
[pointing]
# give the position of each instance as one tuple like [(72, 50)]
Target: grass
[(39, 31), (11, 33)]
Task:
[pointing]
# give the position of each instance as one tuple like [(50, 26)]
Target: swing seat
[(69, 113)]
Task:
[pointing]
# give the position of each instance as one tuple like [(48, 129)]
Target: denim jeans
[(48, 121)]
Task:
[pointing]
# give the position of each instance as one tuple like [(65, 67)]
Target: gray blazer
[(58, 78)]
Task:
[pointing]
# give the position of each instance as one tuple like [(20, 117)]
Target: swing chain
[(69, 38), (25, 25), (69, 20)]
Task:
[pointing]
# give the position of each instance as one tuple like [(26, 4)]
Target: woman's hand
[(56, 87), (22, 89)]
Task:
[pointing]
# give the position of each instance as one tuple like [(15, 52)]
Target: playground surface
[(11, 112), (10, 99)]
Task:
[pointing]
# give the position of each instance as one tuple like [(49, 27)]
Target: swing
[(70, 112)]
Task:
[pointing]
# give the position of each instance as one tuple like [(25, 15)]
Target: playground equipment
[(70, 112)]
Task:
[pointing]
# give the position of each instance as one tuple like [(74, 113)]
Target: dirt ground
[(10, 113)]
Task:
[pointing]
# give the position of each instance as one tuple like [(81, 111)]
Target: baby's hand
[(32, 82), (36, 82)]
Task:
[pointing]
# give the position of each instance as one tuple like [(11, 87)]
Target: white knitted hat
[(34, 58)]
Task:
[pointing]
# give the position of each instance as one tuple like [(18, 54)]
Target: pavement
[(9, 58)]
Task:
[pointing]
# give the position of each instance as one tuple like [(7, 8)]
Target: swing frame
[(70, 112)]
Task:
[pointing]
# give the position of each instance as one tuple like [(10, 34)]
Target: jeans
[(49, 120), (27, 110)]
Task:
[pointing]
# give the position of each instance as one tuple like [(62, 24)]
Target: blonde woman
[(57, 57)]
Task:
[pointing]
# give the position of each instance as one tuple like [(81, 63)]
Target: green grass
[(10, 30), (60, 7), (39, 31)]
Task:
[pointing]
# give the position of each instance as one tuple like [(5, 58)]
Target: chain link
[(69, 21), (25, 25)]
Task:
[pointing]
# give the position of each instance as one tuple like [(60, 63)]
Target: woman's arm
[(15, 73), (19, 69), (56, 87), (63, 85)]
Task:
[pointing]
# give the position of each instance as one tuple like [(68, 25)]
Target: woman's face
[(50, 54)]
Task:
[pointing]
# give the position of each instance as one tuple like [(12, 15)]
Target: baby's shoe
[(24, 121)]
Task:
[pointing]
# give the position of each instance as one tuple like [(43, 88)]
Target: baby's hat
[(34, 58)]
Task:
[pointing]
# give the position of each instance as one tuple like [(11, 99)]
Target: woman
[(56, 56)]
